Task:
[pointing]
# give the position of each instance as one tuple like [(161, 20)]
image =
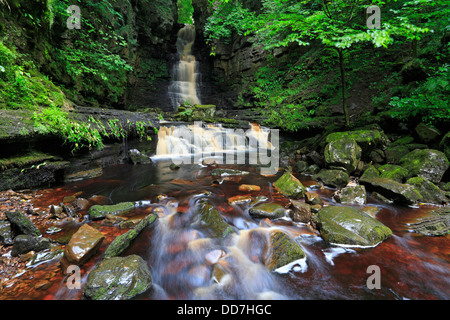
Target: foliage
[(429, 102), (185, 11)]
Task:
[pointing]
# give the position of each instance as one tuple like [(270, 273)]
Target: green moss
[(393, 172), (25, 160), (99, 212), (290, 186)]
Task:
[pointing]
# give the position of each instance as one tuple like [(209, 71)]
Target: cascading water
[(185, 73)]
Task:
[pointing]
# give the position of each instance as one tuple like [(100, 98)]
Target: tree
[(339, 24)]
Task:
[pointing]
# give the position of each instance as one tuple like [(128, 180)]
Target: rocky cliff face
[(232, 62)]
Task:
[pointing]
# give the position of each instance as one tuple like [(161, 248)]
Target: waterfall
[(185, 74)]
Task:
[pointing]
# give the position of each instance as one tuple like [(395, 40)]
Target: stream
[(181, 255)]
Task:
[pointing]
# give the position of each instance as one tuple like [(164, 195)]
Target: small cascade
[(192, 143), (185, 73)]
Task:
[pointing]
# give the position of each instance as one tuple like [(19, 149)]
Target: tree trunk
[(344, 88)]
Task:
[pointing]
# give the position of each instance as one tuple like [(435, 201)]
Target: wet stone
[(21, 222), (99, 212), (267, 210), (24, 243)]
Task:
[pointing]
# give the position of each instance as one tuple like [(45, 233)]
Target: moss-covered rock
[(283, 250), (352, 195), (22, 224), (350, 226), (120, 243), (333, 178), (366, 139), (444, 145), (398, 192), (371, 172), (393, 172), (118, 278), (99, 212), (436, 224), (290, 186), (267, 210), (429, 191), (426, 163), (395, 153), (427, 133), (343, 153), (213, 222)]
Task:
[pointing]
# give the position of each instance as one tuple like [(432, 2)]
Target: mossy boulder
[(342, 153), (212, 221), (350, 226), (371, 172), (118, 278), (426, 163), (398, 192), (97, 212), (427, 133), (429, 191), (352, 195), (267, 210), (290, 186), (21, 224), (333, 178), (120, 243), (393, 154), (366, 139), (283, 250), (394, 172), (444, 145)]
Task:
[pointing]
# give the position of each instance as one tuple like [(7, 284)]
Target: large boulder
[(118, 278), (401, 193), (333, 178), (427, 133), (429, 191), (290, 186), (426, 163), (350, 226), (393, 172), (343, 153), (368, 140)]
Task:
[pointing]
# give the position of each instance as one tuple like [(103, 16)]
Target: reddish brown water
[(412, 266)]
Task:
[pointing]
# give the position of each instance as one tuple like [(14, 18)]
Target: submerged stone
[(350, 226), (118, 278), (290, 186), (267, 210), (99, 212)]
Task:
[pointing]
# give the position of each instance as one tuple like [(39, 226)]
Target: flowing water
[(185, 73), (184, 259)]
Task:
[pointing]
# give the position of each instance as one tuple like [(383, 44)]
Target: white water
[(184, 85)]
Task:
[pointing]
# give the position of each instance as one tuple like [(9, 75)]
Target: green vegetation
[(294, 87), (185, 11)]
